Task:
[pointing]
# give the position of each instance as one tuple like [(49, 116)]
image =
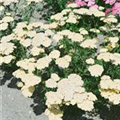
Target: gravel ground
[(14, 106)]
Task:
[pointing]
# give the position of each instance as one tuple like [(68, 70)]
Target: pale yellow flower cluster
[(83, 31), (90, 11), (55, 54), (72, 16), (5, 22), (90, 61), (29, 80), (110, 89), (70, 91), (86, 42), (73, 36), (110, 57), (96, 70), (27, 64), (30, 39), (8, 2), (52, 82), (30, 64), (6, 49), (109, 19), (63, 62), (89, 43), (43, 62)]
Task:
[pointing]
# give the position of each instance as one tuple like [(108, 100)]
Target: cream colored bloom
[(36, 51), (7, 38), (55, 77), (27, 64), (109, 19), (57, 37), (26, 42), (63, 61), (82, 11), (113, 39), (20, 84), (83, 31), (6, 48), (51, 83), (86, 105), (115, 58), (8, 2), (90, 61), (89, 43), (57, 16), (72, 19), (53, 98), (18, 73), (96, 12), (29, 79), (2, 8), (96, 70), (31, 33), (103, 28), (75, 37), (49, 32), (104, 56), (41, 39), (55, 54), (7, 19), (94, 30), (3, 26), (43, 62), (8, 59)]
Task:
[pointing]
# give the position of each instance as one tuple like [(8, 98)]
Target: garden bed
[(66, 57)]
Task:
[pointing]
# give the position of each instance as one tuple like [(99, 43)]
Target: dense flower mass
[(73, 60), (70, 91)]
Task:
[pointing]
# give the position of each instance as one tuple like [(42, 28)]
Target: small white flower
[(55, 54), (36, 51), (51, 83), (7, 19), (90, 61), (55, 77), (3, 26), (96, 70), (63, 61), (89, 43), (7, 59), (43, 62)]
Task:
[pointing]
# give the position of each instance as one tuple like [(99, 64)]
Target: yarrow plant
[(74, 60)]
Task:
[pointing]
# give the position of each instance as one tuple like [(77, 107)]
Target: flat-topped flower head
[(96, 70)]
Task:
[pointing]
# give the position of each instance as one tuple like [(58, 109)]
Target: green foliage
[(57, 5)]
